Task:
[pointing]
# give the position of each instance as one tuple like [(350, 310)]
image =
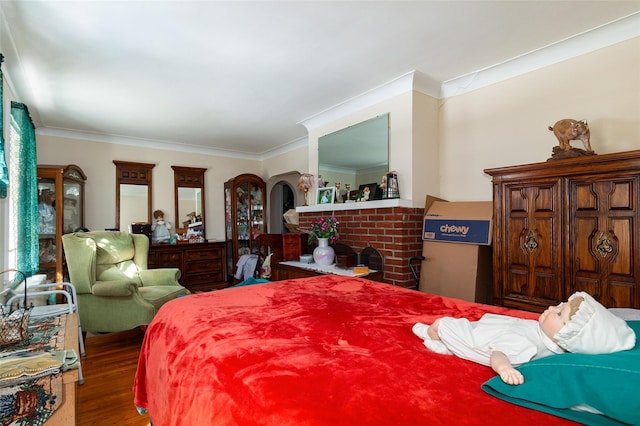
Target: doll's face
[(554, 318)]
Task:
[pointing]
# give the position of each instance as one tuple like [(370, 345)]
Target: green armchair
[(115, 289)]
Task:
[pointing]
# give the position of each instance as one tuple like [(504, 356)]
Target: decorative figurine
[(160, 228), (389, 185), (70, 214), (568, 130), (571, 130), (366, 192), (304, 184), (47, 212)]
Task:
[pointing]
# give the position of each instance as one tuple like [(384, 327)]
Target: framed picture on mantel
[(326, 195)]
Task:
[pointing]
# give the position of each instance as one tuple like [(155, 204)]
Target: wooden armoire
[(567, 225)]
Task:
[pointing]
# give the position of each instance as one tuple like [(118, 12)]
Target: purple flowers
[(324, 228)]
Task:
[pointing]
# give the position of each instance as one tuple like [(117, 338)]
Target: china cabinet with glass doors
[(245, 209), (60, 211)]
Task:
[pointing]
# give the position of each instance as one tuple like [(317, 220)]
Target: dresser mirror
[(189, 198), (357, 155), (133, 193)]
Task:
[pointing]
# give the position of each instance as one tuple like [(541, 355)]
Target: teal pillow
[(250, 281), (558, 384)]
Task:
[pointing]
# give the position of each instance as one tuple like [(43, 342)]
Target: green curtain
[(4, 173), (24, 187)]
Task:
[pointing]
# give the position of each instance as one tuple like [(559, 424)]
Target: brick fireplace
[(396, 232)]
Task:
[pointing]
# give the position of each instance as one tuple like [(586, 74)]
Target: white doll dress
[(519, 339)]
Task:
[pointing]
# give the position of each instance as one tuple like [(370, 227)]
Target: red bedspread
[(318, 351)]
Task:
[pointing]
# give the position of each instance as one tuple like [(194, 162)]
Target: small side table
[(65, 414), (290, 270)]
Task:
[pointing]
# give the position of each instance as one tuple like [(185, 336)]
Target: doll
[(160, 228), (265, 269), (70, 215), (581, 325), (47, 252), (365, 194), (47, 212)]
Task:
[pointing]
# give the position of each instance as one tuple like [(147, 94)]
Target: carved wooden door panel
[(533, 252), (604, 242)]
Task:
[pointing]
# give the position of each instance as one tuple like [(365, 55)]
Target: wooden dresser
[(567, 225), (203, 265)]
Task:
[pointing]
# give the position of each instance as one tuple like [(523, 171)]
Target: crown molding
[(395, 87), (287, 147), (170, 146), (143, 143), (589, 41)]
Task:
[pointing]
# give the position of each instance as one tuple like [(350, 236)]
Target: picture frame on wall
[(326, 195)]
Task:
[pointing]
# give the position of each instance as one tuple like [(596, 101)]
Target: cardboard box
[(459, 222), (463, 271)]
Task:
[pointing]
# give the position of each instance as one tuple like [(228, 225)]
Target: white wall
[(506, 123), (294, 160), (96, 160), (425, 160)]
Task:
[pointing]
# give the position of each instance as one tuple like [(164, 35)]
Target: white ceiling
[(240, 76)]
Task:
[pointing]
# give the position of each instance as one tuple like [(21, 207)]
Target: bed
[(326, 350)]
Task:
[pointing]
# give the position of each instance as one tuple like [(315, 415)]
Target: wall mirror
[(133, 193), (356, 155), (189, 197)]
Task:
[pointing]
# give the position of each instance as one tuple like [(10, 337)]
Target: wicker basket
[(14, 327), (14, 320), (293, 228)]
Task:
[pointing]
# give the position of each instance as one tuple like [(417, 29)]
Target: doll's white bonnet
[(594, 330)]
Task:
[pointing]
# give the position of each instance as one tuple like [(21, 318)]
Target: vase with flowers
[(325, 230)]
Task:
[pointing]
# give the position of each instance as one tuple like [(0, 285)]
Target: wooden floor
[(110, 363)]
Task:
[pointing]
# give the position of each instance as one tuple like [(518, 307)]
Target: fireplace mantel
[(374, 204), (392, 226)]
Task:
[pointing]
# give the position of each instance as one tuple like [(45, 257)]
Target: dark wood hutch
[(567, 225)]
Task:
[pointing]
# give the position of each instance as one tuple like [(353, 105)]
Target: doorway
[(282, 197)]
